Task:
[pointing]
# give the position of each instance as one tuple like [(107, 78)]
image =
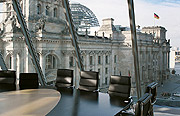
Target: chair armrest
[(128, 106)]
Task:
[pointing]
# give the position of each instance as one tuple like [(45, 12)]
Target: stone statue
[(13, 22), (40, 25), (2, 29), (65, 31)]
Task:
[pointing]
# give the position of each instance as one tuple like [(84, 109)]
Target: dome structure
[(83, 17)]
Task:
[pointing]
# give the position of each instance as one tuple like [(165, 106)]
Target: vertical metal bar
[(29, 42), (2, 63), (72, 33), (134, 46)]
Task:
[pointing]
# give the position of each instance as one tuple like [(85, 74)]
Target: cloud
[(168, 11)]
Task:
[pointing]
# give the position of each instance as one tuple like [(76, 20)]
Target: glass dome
[(83, 17)]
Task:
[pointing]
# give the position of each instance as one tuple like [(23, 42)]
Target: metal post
[(134, 46), (73, 33)]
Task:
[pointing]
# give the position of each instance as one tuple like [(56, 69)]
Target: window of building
[(99, 59), (82, 57), (106, 80), (106, 70), (107, 60), (71, 61), (50, 62), (91, 60), (9, 61), (115, 58), (114, 70), (39, 9), (47, 10), (99, 70), (55, 12)]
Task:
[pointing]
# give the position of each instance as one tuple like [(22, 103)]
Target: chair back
[(120, 86), (89, 80), (28, 81), (64, 78), (152, 89), (143, 105), (7, 80)]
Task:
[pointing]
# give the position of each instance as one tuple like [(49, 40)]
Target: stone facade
[(109, 52)]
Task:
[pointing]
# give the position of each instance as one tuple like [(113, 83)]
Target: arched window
[(55, 12), (47, 10), (21, 4), (9, 61), (50, 62), (39, 9)]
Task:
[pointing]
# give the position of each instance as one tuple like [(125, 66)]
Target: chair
[(152, 89), (89, 80), (142, 108), (7, 80), (28, 81), (64, 78), (120, 86)]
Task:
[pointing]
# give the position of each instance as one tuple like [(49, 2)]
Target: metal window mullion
[(72, 34), (29, 44), (134, 46)]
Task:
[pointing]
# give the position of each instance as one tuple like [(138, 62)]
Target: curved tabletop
[(81, 103), (31, 102)]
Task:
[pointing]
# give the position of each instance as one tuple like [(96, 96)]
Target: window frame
[(39, 8)]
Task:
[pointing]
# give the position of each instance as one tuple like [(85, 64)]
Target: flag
[(156, 16)]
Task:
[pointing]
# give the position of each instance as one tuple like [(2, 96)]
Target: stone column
[(87, 60), (66, 61), (96, 62), (103, 69), (26, 56), (42, 62), (160, 66), (156, 67), (18, 68), (168, 61), (165, 65), (14, 61), (109, 68), (147, 68)]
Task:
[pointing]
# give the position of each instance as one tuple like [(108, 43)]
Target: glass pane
[(54, 62)]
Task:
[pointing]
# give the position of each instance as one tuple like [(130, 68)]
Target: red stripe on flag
[(156, 16)]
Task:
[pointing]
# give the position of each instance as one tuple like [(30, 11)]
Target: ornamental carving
[(40, 25), (68, 52), (65, 31), (10, 52), (2, 52), (43, 52), (83, 52), (2, 29)]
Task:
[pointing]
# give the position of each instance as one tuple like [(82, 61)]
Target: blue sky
[(163, 1), (168, 11)]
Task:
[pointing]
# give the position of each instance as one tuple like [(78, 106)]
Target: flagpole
[(154, 27), (154, 22)]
